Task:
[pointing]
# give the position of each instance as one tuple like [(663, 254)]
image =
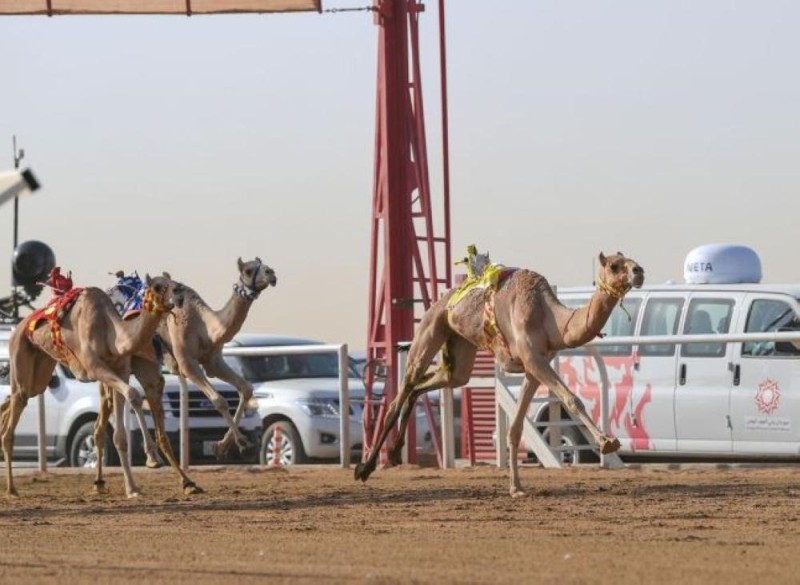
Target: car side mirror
[(54, 382)]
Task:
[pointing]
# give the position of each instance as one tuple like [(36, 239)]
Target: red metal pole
[(403, 267)]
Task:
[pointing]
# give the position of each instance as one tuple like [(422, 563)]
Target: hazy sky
[(179, 144)]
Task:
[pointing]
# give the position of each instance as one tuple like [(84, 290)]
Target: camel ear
[(166, 275), (240, 263), (147, 279), (258, 260), (119, 273), (602, 258), (620, 254)]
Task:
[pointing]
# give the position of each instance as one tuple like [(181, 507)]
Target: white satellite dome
[(722, 264)]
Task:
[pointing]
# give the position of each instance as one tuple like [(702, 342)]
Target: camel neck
[(230, 318), (137, 332), (586, 322)]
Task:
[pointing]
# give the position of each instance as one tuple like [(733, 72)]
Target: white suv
[(299, 394), (72, 406)]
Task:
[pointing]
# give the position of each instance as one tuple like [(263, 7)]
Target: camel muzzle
[(637, 277)]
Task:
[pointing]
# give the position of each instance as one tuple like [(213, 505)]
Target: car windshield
[(281, 367)]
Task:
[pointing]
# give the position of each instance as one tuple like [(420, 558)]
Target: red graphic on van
[(582, 376), (768, 397)]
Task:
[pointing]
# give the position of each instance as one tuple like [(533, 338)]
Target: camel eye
[(615, 267), (249, 271)]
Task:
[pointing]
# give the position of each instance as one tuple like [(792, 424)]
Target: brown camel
[(95, 344), (522, 322), (194, 340)]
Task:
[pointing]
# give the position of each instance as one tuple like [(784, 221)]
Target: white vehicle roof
[(265, 339), (787, 289)]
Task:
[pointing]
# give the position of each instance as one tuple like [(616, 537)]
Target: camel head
[(618, 274), (158, 296), (254, 276)]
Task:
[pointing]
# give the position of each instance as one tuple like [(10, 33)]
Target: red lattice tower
[(409, 264)]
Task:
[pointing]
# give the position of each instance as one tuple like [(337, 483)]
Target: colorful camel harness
[(492, 279), (60, 305)]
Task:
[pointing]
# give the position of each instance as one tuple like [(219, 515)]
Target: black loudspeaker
[(31, 264)]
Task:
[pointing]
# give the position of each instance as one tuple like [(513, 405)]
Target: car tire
[(290, 447), (572, 437), (82, 452)]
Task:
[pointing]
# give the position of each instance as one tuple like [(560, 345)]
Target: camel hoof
[(100, 487), (12, 493), (609, 446), (518, 493), (153, 463), (133, 494), (221, 449), (395, 459), (363, 471), (191, 489)]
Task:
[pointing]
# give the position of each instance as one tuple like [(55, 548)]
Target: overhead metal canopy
[(188, 7)]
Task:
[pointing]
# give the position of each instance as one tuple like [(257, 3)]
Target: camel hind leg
[(31, 370), (432, 334), (456, 368), (100, 425)]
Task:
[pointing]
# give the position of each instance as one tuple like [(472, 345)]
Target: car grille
[(200, 405)]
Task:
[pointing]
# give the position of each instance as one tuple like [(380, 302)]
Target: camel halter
[(248, 292), (152, 304), (615, 292)]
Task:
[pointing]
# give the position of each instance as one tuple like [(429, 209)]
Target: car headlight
[(327, 407)]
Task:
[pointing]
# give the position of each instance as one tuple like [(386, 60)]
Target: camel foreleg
[(541, 369), (218, 368), (121, 443), (194, 373)]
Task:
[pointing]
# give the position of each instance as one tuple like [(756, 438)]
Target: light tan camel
[(194, 340), (95, 344), (524, 325)]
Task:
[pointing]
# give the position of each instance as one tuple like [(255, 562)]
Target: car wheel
[(570, 437), (283, 447), (82, 451)]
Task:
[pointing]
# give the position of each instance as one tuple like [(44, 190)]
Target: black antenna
[(18, 156)]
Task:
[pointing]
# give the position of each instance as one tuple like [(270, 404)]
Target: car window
[(621, 323), (707, 316), (285, 366), (767, 316), (661, 317)]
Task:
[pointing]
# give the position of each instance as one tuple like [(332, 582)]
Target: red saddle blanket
[(54, 312)]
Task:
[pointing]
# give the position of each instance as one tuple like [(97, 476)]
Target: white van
[(701, 400)]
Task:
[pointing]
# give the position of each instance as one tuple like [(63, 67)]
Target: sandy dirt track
[(648, 524)]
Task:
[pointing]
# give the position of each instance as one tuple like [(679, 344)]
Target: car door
[(651, 403), (702, 395), (765, 398)]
